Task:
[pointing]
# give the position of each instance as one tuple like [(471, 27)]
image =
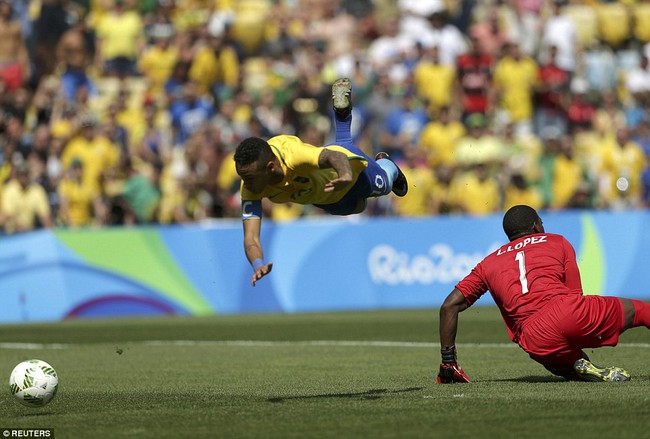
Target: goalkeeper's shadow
[(529, 379), (369, 394)]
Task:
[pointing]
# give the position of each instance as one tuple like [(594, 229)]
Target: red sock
[(641, 313)]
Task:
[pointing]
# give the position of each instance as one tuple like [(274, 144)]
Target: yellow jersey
[(304, 182)]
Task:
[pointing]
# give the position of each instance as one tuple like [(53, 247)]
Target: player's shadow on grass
[(369, 394), (530, 379)]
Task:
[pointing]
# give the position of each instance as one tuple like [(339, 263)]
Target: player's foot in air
[(400, 185), (342, 98), (590, 372)]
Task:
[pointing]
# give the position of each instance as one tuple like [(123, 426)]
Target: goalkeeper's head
[(520, 221)]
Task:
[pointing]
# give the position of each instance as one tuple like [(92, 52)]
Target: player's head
[(256, 164), (520, 221)]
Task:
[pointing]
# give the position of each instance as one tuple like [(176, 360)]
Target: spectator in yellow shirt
[(623, 163), (614, 23), (96, 153), (519, 191), (439, 137), (119, 41), (568, 175), (445, 196), (24, 203), (434, 81), (417, 202), (80, 205), (479, 193), (215, 66), (158, 61), (185, 201), (641, 20), (515, 79), (479, 145)]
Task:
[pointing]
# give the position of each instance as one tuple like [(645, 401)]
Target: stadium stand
[(534, 100)]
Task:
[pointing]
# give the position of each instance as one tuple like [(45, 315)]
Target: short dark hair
[(250, 150), (519, 221)]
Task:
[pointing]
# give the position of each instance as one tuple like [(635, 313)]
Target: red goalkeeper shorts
[(557, 334)]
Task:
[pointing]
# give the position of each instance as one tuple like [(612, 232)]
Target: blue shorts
[(372, 182)]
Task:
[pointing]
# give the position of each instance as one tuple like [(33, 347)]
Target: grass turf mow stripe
[(262, 343), (314, 376)]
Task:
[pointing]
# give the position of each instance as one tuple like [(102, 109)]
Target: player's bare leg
[(637, 313)]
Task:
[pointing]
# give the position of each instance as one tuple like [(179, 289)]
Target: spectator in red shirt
[(474, 80), (552, 95), (580, 111)]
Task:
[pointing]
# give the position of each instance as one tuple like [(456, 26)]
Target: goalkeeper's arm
[(450, 370)]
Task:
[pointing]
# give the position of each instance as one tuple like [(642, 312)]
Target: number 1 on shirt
[(521, 258)]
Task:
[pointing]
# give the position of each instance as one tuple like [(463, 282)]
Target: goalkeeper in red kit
[(535, 282)]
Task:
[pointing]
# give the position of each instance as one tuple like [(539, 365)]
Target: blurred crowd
[(128, 112)]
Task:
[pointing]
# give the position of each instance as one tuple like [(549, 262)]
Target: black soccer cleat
[(400, 185), (342, 98)]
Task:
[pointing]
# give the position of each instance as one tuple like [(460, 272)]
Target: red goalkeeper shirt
[(523, 276)]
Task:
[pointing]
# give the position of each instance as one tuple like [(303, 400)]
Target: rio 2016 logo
[(440, 264)]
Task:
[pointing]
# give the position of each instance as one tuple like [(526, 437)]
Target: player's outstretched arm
[(253, 249), (450, 371), (341, 164)]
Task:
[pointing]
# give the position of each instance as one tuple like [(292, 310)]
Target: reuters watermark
[(26, 432)]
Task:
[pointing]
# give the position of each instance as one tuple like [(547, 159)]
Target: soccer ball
[(33, 383)]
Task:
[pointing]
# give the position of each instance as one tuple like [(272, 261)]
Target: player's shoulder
[(527, 242), (284, 140), (552, 242), (287, 145), (293, 152), (555, 237)]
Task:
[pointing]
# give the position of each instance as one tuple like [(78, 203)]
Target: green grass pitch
[(325, 375)]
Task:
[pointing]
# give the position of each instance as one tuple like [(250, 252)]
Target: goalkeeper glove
[(450, 371)]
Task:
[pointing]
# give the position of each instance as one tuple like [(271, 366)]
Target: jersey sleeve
[(473, 285), (571, 270)]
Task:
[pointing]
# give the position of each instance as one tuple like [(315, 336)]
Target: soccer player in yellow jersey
[(337, 178)]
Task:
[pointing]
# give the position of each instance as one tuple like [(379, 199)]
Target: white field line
[(261, 343)]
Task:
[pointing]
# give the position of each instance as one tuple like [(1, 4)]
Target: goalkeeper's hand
[(452, 373)]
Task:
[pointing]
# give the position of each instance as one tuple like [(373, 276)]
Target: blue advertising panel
[(320, 264)]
